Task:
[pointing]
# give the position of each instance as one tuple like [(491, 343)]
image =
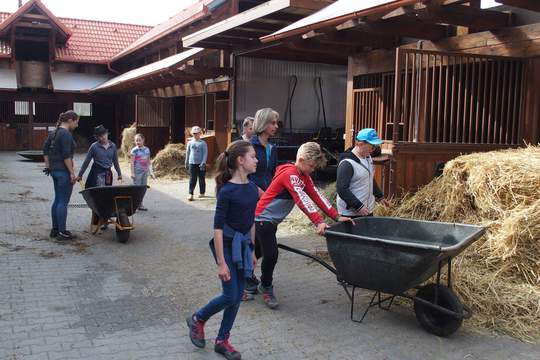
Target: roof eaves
[(388, 6), (6, 23), (201, 12)]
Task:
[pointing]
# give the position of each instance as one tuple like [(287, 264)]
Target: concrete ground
[(95, 298)]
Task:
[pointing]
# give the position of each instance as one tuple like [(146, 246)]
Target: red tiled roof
[(90, 41), (184, 17)]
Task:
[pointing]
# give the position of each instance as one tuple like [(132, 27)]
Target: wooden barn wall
[(194, 111), (414, 164), (531, 109)]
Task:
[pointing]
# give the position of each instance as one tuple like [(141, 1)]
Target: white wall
[(264, 83)]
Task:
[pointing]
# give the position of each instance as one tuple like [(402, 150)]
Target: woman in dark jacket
[(265, 126), (58, 153)]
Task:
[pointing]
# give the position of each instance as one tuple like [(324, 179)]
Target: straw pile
[(499, 275), (170, 162), (128, 140)]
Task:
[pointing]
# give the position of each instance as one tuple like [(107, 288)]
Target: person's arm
[(377, 192), (205, 152), (299, 196), (345, 173), (116, 164), (46, 146), (320, 200), (132, 163), (86, 161), (223, 270), (222, 207), (188, 150)]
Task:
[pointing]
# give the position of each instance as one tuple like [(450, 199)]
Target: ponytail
[(227, 164), (66, 116), (62, 118)]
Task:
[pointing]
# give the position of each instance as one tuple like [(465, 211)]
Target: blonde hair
[(311, 151), (247, 121), (263, 117)]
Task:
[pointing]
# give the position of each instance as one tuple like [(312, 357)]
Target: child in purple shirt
[(141, 164)]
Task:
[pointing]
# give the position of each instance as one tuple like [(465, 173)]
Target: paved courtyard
[(98, 299)]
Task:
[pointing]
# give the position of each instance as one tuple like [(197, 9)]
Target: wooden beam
[(533, 5), (468, 16), (407, 27), (313, 5), (358, 38), (31, 25)]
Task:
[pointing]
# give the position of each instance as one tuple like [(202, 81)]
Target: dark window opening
[(31, 50)]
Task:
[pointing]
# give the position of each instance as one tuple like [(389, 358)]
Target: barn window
[(83, 109), (22, 108)]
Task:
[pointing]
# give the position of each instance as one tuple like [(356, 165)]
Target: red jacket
[(288, 187)]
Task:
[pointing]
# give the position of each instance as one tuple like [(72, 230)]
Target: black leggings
[(195, 173), (266, 246)]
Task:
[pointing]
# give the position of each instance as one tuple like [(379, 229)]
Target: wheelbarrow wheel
[(122, 235), (433, 320)]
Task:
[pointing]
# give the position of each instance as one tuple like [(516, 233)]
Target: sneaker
[(65, 235), (246, 296), (268, 296), (142, 208), (190, 197), (251, 284), (196, 331), (202, 196), (53, 233), (224, 348)]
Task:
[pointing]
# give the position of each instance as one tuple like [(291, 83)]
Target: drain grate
[(81, 205)]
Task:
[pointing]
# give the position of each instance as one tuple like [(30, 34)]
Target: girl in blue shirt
[(232, 245)]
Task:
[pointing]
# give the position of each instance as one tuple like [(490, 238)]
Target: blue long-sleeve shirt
[(105, 158), (267, 163), (196, 152), (236, 206)]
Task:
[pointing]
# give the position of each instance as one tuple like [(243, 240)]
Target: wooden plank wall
[(414, 164)]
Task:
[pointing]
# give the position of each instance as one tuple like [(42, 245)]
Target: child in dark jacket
[(232, 245)]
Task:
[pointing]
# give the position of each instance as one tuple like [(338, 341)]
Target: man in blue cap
[(357, 190)]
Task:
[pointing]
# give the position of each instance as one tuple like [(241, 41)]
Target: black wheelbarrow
[(114, 205), (394, 256), (32, 155)]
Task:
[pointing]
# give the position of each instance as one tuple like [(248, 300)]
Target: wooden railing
[(457, 98)]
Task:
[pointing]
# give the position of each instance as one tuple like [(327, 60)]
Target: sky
[(144, 12)]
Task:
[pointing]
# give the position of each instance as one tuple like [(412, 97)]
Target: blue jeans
[(229, 300), (62, 193)]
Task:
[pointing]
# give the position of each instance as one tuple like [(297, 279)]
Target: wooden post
[(349, 115), (31, 124), (397, 97)]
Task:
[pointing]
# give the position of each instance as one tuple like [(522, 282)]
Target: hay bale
[(128, 140), (170, 162), (499, 275)]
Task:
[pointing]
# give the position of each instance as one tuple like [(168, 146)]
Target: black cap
[(100, 130)]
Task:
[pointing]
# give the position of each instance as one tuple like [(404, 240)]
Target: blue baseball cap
[(369, 135)]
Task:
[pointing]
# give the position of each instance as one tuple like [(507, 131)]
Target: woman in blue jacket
[(265, 126)]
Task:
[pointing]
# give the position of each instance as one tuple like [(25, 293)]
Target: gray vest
[(361, 186)]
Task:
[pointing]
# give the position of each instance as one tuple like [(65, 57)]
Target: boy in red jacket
[(291, 185)]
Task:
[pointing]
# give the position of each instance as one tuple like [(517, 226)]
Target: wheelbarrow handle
[(308, 255)]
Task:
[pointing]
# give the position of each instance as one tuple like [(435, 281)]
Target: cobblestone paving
[(98, 299)]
